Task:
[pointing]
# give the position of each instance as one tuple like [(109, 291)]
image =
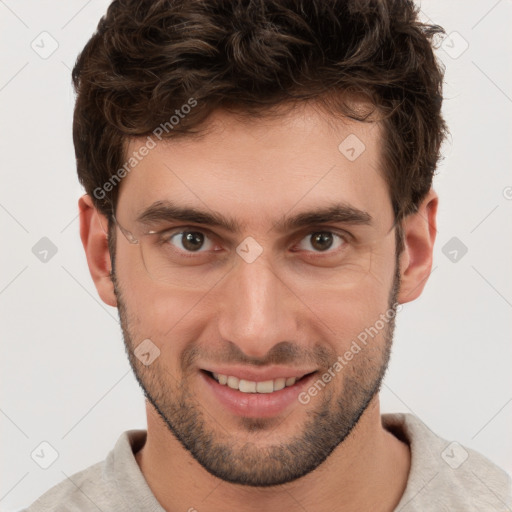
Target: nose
[(257, 310)]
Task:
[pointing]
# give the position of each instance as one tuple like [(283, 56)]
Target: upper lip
[(259, 375)]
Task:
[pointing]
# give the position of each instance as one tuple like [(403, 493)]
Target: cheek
[(129, 266), (344, 313), (169, 317), (331, 313)]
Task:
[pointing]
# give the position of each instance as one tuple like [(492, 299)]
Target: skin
[(258, 172)]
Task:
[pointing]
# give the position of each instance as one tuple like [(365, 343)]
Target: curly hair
[(149, 59)]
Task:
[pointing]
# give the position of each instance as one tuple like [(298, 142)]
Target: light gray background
[(65, 376)]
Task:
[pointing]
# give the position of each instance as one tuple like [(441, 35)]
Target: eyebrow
[(334, 213)]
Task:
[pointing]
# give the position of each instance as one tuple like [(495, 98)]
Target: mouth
[(250, 386), (254, 399)]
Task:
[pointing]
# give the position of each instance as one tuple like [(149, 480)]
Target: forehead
[(259, 170)]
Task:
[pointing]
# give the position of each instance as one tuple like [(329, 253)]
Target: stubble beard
[(326, 426)]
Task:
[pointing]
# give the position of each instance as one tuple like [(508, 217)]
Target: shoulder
[(97, 487), (445, 475), (77, 492)]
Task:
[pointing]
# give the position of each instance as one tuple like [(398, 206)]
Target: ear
[(419, 231), (94, 235)]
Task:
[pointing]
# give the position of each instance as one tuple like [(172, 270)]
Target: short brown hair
[(150, 58)]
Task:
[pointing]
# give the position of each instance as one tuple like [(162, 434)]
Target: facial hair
[(330, 418)]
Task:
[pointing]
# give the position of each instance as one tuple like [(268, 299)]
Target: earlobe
[(94, 235), (416, 259)]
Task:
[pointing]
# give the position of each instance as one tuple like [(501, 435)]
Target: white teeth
[(249, 386), (279, 383), (267, 386), (290, 381), (233, 382)]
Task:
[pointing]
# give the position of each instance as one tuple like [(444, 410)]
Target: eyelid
[(321, 229), (180, 229), (303, 231)]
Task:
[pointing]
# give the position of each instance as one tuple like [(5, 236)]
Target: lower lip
[(256, 405)]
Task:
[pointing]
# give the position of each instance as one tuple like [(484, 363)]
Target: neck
[(368, 471)]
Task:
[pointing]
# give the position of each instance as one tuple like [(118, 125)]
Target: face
[(299, 264)]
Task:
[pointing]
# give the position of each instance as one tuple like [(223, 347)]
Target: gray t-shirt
[(444, 476)]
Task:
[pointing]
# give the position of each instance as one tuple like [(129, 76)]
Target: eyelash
[(166, 236)]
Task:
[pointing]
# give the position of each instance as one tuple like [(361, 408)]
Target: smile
[(249, 386)]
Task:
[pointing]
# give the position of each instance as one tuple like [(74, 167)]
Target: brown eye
[(322, 241), (189, 241), (192, 240)]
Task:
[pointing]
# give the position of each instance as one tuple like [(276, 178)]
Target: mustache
[(283, 353)]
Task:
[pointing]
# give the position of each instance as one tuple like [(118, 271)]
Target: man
[(259, 205)]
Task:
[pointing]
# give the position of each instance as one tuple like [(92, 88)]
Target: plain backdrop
[(65, 377)]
